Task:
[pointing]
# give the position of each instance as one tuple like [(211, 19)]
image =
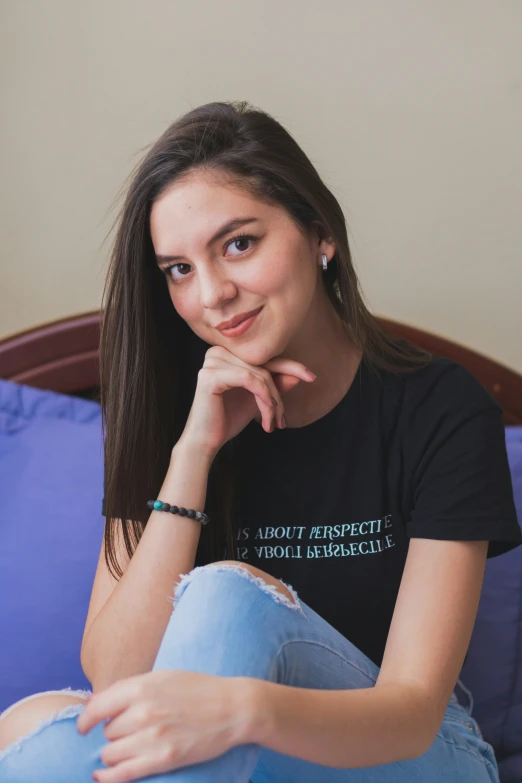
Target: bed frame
[(63, 356)]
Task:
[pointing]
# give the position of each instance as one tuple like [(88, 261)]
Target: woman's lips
[(241, 328)]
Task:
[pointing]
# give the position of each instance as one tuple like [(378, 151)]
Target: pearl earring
[(325, 262)]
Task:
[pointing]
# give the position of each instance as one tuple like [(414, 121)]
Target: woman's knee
[(22, 717), (266, 583), (260, 574)]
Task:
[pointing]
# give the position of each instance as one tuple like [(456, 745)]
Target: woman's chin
[(257, 355), (256, 352)]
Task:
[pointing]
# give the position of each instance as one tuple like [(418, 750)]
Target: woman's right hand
[(229, 393)]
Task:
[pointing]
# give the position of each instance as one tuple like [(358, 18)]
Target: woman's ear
[(323, 240)]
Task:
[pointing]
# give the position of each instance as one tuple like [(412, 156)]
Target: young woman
[(322, 535)]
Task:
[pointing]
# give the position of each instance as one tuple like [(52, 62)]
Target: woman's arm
[(124, 638), (399, 718)]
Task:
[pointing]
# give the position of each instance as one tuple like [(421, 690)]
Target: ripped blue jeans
[(260, 633)]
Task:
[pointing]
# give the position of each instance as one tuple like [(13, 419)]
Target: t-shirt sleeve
[(463, 488)]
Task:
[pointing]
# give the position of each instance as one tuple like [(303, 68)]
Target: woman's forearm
[(345, 728), (124, 638)]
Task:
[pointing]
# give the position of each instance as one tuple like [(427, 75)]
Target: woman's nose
[(215, 290)]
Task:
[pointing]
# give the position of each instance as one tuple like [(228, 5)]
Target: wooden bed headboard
[(63, 356)]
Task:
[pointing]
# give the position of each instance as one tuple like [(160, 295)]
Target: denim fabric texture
[(228, 622)]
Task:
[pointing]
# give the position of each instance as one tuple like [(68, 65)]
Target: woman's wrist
[(250, 704), (192, 448)]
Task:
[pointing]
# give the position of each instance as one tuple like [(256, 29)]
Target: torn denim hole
[(69, 711), (270, 589)]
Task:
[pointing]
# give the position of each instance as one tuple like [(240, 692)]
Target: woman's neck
[(308, 402), (324, 346)]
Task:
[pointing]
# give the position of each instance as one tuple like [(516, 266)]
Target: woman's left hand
[(163, 720)]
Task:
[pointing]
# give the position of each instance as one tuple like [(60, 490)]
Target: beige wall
[(411, 110)]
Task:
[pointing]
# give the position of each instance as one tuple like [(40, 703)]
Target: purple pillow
[(493, 669), (51, 485)]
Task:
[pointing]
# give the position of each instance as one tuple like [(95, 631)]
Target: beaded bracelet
[(158, 505)]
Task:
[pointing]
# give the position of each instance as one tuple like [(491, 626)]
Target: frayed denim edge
[(271, 590), (69, 711), (469, 708)]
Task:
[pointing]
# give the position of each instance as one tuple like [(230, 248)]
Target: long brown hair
[(149, 357)]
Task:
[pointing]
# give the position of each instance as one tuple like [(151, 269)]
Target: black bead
[(191, 513), (166, 507), (150, 503), (182, 511), (174, 509)]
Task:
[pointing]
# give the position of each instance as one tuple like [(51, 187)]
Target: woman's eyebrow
[(223, 231)]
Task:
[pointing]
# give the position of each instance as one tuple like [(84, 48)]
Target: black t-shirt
[(329, 507)]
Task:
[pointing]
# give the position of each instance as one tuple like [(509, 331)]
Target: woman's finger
[(289, 367), (268, 420), (266, 402), (134, 743), (282, 383), (278, 364), (107, 704), (230, 376), (135, 718), (289, 373), (134, 768), (227, 359)]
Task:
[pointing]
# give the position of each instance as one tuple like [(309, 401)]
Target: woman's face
[(267, 262)]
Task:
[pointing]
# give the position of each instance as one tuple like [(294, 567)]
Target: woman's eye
[(241, 243), (168, 271), (243, 240)]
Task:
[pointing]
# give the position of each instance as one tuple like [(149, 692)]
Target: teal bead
[(158, 504)]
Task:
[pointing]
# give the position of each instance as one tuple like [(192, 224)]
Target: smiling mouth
[(246, 317), (242, 327)]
